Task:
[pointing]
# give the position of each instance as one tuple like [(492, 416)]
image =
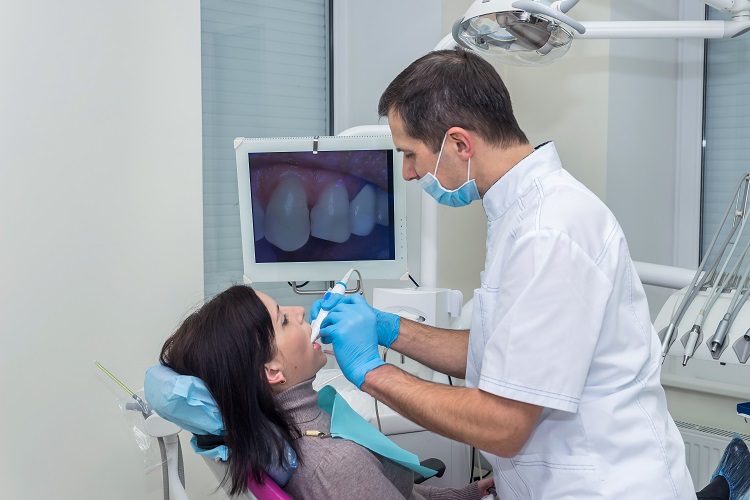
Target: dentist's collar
[(516, 181)]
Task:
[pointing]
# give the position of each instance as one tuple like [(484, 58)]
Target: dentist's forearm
[(491, 423), (442, 350)]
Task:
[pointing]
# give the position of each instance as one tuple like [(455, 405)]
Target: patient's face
[(298, 359)]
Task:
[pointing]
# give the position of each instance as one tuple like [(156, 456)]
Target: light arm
[(530, 33), (664, 29)]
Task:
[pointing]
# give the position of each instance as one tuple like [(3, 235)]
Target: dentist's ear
[(463, 141)]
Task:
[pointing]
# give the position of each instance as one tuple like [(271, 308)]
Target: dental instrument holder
[(702, 276), (737, 334), (741, 347)]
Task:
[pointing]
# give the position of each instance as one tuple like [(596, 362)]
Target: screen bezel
[(318, 271)]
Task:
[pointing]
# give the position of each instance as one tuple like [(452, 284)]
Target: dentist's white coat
[(561, 321)]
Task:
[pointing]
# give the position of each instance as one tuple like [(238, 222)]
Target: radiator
[(704, 446)]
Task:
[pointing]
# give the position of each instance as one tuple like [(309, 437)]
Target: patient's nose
[(299, 314)]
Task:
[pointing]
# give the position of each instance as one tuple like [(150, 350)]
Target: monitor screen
[(311, 209)]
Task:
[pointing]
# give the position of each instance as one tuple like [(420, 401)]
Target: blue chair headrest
[(186, 401), (182, 399)]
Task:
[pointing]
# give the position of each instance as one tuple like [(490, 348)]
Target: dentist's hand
[(388, 324), (351, 326)]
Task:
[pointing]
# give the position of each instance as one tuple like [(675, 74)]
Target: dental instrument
[(716, 343), (340, 289), (695, 336), (742, 347), (669, 333)]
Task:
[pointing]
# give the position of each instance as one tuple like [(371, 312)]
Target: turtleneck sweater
[(332, 468)]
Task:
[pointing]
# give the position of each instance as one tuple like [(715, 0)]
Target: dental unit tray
[(311, 208)]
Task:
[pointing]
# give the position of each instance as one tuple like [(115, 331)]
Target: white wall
[(100, 217), (567, 102), (643, 134), (371, 47)]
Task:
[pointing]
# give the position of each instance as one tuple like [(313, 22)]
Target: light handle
[(545, 10)]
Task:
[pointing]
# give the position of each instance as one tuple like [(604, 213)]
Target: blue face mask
[(459, 197)]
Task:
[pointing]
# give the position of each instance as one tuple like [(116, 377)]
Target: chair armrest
[(431, 463)]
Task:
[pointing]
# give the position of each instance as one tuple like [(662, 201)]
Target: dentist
[(561, 363)]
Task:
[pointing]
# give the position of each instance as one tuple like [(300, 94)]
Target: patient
[(257, 360)]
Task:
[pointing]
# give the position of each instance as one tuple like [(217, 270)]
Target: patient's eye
[(285, 320)]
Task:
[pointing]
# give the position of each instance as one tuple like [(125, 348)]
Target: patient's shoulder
[(331, 466)]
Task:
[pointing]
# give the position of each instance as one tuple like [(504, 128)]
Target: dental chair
[(183, 402)]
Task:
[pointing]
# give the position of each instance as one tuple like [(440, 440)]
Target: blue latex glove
[(388, 324), (351, 326)]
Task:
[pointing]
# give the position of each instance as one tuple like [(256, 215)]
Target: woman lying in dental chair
[(256, 359)]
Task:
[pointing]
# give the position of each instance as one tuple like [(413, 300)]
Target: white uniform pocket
[(482, 325), (539, 476)]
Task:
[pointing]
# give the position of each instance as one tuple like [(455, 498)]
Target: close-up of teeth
[(287, 219), (305, 204), (362, 211), (382, 212), (329, 218)]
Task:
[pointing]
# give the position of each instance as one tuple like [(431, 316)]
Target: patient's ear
[(274, 375)]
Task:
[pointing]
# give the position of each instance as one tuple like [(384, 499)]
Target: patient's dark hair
[(226, 343)]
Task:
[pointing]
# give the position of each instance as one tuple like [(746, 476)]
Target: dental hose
[(165, 469)]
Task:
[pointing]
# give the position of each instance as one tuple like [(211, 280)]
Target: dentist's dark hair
[(452, 88), (226, 343)]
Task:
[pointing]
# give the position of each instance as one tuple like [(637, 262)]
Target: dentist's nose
[(409, 172)]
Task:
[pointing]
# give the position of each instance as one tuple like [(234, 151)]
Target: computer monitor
[(312, 208)]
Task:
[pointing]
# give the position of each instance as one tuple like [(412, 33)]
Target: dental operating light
[(538, 32)]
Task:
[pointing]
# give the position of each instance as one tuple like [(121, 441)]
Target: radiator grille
[(703, 449)]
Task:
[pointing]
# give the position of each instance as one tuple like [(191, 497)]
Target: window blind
[(726, 150), (265, 73)]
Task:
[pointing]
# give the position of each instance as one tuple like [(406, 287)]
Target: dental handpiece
[(340, 289)]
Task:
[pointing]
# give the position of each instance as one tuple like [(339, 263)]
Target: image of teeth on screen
[(329, 206)]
